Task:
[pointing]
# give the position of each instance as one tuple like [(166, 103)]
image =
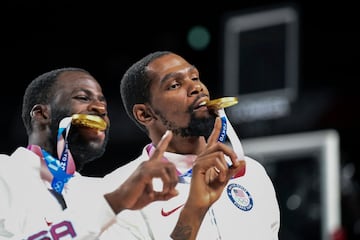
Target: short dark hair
[(135, 84), (40, 91)]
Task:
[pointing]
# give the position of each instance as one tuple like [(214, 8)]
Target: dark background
[(106, 38)]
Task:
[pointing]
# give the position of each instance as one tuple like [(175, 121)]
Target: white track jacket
[(247, 209)]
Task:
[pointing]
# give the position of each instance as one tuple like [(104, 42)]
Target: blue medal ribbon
[(59, 167)]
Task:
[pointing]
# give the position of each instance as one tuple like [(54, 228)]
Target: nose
[(196, 89), (98, 107)]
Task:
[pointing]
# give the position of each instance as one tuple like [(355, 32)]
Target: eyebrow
[(174, 74)]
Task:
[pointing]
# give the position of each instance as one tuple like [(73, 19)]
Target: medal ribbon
[(63, 168)]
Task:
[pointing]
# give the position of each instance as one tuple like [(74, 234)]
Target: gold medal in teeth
[(91, 121), (223, 102)]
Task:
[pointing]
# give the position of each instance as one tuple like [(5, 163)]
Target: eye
[(174, 85), (195, 78), (82, 97)]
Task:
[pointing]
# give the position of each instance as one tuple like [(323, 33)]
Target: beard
[(82, 150), (197, 126)]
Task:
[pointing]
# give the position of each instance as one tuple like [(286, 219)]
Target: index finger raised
[(162, 145), (213, 138)]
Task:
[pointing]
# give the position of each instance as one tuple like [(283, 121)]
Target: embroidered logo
[(167, 213), (240, 197)]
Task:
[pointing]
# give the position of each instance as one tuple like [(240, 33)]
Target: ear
[(143, 114), (40, 112)]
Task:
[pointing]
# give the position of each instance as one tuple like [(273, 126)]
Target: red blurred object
[(339, 234)]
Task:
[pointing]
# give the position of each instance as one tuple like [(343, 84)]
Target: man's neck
[(45, 174), (187, 145)]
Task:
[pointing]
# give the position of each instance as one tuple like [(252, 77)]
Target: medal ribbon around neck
[(63, 168), (183, 178)]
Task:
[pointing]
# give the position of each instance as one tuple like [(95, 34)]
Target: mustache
[(192, 106)]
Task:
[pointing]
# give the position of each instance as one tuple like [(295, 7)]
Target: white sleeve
[(22, 209), (130, 225), (88, 207), (274, 209), (4, 210)]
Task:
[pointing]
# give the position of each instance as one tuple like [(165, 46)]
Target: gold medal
[(223, 102), (91, 121)]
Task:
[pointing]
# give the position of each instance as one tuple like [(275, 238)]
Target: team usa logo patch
[(240, 197)]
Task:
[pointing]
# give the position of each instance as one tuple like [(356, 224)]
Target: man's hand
[(210, 174), (138, 190)]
